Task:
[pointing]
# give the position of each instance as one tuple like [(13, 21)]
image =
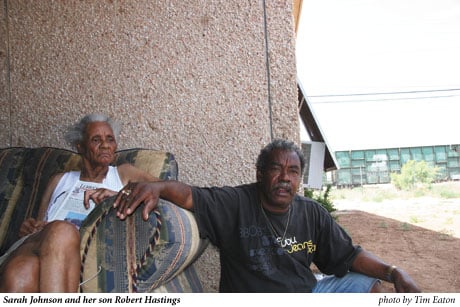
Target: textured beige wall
[(4, 99), (185, 76)]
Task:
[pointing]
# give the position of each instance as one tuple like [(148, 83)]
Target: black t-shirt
[(252, 259)]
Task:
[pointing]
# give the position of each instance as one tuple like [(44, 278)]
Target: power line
[(385, 93), (386, 99), (267, 65)]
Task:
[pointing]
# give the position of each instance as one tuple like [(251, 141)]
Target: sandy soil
[(439, 215), (420, 235)]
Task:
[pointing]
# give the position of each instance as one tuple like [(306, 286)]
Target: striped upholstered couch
[(117, 256)]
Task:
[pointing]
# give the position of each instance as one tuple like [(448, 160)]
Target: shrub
[(322, 197), (414, 173)]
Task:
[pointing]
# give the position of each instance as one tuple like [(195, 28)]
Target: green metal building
[(358, 167)]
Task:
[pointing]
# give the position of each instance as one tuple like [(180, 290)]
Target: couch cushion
[(159, 164), (24, 174), (139, 256)]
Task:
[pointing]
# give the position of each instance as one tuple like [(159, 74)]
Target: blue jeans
[(350, 283)]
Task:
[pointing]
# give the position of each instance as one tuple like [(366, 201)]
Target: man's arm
[(368, 264), (133, 194)]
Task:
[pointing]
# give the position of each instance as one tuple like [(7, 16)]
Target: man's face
[(281, 180), (99, 145)]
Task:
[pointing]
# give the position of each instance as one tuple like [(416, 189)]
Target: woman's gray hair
[(76, 132), (286, 145)]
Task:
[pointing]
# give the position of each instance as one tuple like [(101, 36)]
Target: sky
[(381, 73)]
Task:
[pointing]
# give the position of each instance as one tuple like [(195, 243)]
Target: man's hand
[(148, 193), (368, 264), (30, 226), (135, 193), (97, 195), (403, 282)]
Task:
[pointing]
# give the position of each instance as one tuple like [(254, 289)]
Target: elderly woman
[(47, 257)]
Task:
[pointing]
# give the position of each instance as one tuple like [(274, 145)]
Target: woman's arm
[(32, 225), (128, 173), (46, 198)]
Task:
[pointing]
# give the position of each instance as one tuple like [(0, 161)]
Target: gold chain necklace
[(272, 228)]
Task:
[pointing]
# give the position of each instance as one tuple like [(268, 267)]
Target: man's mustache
[(282, 185)]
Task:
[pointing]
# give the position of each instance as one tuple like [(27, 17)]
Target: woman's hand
[(30, 226), (97, 195)]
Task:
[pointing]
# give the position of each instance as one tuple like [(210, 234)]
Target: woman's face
[(99, 145)]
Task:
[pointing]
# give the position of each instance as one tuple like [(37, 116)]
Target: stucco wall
[(5, 103), (210, 81)]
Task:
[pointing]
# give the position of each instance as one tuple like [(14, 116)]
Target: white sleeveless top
[(66, 202)]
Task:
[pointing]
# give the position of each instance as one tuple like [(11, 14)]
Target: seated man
[(268, 235)]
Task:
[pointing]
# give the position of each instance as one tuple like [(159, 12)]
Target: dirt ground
[(420, 235)]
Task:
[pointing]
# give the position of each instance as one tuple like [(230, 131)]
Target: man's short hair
[(281, 144)]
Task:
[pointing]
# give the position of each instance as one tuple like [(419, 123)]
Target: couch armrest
[(138, 256)]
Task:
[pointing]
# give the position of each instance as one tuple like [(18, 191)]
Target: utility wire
[(386, 93), (385, 99), (267, 65)]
